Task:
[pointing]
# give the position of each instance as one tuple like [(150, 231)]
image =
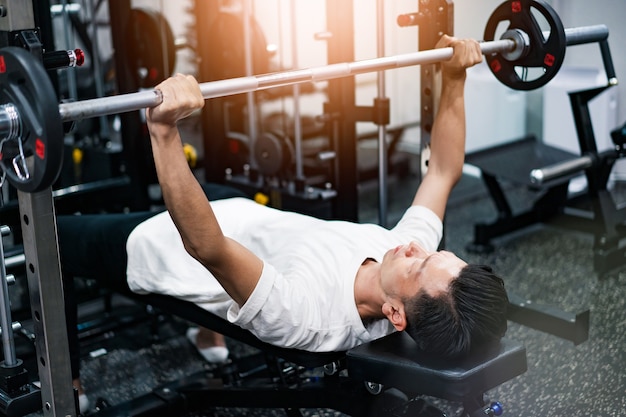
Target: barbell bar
[(134, 101), (91, 108), (26, 94), (221, 88)]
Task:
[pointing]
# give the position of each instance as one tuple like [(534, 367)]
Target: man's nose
[(413, 249)]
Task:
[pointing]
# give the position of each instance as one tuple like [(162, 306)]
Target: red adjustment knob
[(79, 57), (63, 59)]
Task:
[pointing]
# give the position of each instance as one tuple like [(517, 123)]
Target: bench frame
[(386, 377)]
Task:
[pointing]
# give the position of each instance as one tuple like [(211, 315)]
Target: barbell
[(31, 144)]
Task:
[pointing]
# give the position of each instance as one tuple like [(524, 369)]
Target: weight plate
[(25, 84), (273, 154), (545, 54), (151, 52)]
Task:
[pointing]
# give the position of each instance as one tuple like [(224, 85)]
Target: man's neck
[(367, 293)]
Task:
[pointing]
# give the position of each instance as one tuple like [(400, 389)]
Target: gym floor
[(543, 263)]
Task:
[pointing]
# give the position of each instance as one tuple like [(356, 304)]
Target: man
[(294, 280)]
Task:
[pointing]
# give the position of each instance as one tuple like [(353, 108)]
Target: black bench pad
[(515, 160), (395, 361)]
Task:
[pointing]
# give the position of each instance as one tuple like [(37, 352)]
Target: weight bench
[(357, 382)]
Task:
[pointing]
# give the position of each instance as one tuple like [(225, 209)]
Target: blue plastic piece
[(496, 408)]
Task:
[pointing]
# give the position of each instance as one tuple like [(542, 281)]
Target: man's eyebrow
[(426, 261), (428, 258)]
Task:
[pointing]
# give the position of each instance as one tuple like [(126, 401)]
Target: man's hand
[(181, 97), (467, 53)]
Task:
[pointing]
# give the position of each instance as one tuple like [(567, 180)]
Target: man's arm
[(447, 145), (235, 267)]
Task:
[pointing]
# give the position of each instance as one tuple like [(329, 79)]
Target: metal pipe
[(84, 109), (250, 100), (586, 34), (134, 101), (8, 342), (71, 72), (382, 129), (97, 69), (540, 176), (297, 120)]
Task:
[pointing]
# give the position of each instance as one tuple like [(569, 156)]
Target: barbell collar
[(543, 175), (521, 41), (9, 121)]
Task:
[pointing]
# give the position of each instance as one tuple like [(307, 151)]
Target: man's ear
[(394, 311)]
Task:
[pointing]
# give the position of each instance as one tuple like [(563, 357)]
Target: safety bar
[(540, 176)]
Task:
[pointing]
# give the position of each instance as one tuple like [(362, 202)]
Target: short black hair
[(470, 314)]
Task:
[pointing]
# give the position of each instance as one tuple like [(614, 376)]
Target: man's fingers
[(181, 96)]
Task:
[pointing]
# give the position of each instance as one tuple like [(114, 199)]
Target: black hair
[(471, 313)]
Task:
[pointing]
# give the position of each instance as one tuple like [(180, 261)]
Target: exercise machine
[(32, 157)]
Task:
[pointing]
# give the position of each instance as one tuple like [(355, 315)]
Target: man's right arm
[(236, 268)]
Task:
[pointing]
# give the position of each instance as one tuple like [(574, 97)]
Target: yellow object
[(77, 156), (261, 198), (191, 155)]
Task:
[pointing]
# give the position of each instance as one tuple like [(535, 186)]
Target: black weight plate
[(273, 154), (547, 54), (150, 52), (25, 84)]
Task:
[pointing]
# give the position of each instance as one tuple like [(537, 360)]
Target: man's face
[(407, 269)]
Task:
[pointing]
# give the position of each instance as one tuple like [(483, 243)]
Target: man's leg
[(91, 246), (94, 246), (220, 191)]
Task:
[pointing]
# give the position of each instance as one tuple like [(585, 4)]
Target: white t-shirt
[(305, 296)]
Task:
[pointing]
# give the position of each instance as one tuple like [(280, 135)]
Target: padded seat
[(513, 161), (392, 361), (395, 361)]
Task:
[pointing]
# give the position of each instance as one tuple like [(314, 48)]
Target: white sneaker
[(83, 403), (213, 355)]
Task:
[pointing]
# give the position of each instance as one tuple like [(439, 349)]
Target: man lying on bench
[(293, 280)]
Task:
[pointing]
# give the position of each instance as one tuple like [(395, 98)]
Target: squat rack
[(43, 271)]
